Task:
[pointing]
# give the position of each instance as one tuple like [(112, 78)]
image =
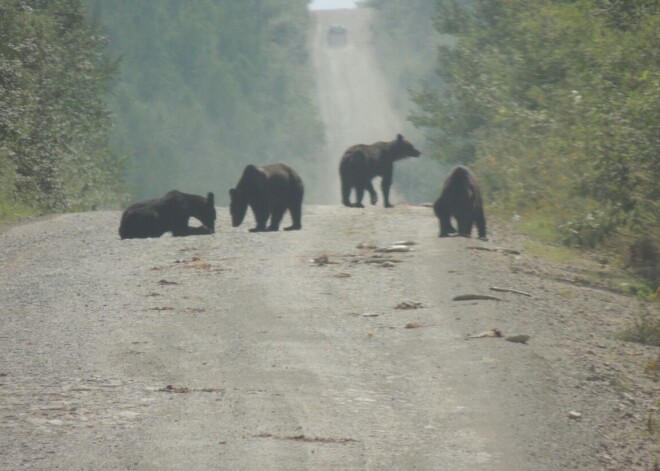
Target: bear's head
[(207, 215), (237, 206), (403, 148)]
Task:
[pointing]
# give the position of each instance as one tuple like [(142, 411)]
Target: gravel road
[(245, 351)]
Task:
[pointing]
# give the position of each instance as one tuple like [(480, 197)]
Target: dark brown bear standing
[(361, 163), (460, 199), (171, 213), (269, 190)]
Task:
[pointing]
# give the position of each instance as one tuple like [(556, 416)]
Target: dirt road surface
[(238, 351), (309, 350)]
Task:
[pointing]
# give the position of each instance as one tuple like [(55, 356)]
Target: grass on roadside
[(10, 211), (603, 267), (646, 329)]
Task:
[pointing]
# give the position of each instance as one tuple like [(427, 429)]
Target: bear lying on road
[(461, 199), (361, 163), (171, 213), (269, 190)]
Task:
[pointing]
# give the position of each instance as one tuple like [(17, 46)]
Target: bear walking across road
[(362, 162), (460, 199), (153, 218), (269, 190)]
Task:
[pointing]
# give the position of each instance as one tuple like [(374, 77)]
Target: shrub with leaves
[(54, 124), (557, 105)]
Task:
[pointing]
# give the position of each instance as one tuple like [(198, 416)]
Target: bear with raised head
[(361, 163), (171, 213), (461, 199), (270, 191)]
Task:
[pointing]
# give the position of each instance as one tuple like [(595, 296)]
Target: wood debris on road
[(409, 305), (494, 333), (475, 297)]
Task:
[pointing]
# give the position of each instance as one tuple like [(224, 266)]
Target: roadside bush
[(54, 124), (646, 330), (556, 105), (644, 259)]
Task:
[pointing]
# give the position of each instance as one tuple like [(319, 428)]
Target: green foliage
[(646, 330), (207, 87), (54, 153), (556, 104)]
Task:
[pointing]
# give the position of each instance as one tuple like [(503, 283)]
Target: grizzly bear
[(362, 162), (269, 190), (461, 199), (153, 218)]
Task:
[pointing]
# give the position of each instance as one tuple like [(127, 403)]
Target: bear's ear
[(232, 192), (399, 137), (210, 198)]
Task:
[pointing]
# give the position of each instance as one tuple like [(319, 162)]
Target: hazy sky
[(331, 4)]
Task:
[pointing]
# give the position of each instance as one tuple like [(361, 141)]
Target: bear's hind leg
[(345, 192), (385, 185), (140, 224), (296, 216)]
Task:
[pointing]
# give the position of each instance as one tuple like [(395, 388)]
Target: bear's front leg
[(296, 216), (181, 229), (261, 217), (359, 195), (261, 214), (385, 187), (465, 226), (445, 225), (276, 218), (481, 224)]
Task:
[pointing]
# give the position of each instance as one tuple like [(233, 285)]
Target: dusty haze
[(353, 96)]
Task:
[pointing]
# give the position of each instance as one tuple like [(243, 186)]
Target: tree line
[(54, 121), (107, 101), (207, 87), (555, 103)]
